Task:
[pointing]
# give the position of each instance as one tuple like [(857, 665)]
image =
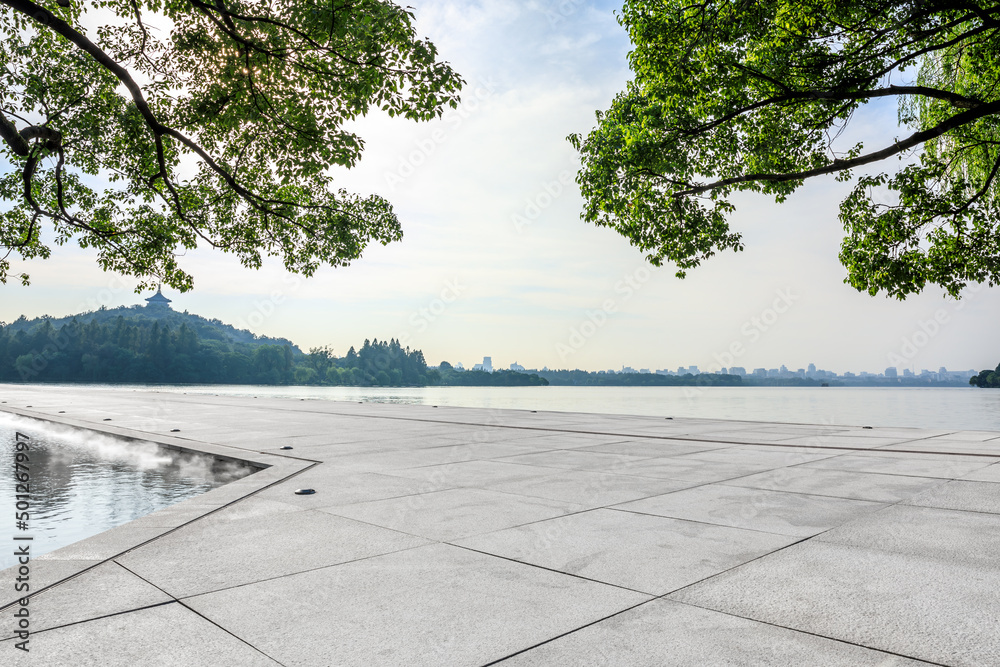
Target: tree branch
[(956, 100), (158, 129), (9, 133), (914, 139)]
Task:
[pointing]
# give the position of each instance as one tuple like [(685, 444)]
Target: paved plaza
[(443, 536)]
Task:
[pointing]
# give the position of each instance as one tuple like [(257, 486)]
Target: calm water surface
[(950, 408), (82, 483)]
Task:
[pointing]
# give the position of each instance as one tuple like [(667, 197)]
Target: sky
[(495, 260)]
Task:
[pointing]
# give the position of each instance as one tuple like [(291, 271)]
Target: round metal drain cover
[(304, 492)]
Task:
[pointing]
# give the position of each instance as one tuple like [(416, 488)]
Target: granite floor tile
[(930, 609), (472, 473), (207, 556), (988, 474), (449, 515), (972, 538), (435, 606), (107, 589), (691, 470), (961, 495), (43, 573), (663, 633), (166, 636), (650, 554), (655, 448), (902, 464), (589, 488), (756, 509), (756, 456), (334, 488), (838, 483), (575, 460)]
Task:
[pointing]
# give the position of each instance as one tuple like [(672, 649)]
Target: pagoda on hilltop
[(158, 300)]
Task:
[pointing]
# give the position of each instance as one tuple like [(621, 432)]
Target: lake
[(950, 408)]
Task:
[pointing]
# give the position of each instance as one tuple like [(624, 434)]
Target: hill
[(204, 329), (154, 344), (144, 344)]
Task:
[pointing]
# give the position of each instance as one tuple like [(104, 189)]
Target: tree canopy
[(149, 127), (987, 379), (752, 96)]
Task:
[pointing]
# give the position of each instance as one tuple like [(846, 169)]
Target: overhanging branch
[(913, 140), (264, 205), (9, 133)]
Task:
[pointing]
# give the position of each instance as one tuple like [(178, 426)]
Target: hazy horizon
[(496, 262)]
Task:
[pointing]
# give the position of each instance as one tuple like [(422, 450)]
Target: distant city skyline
[(810, 371)]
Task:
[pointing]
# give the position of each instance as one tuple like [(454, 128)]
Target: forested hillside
[(138, 349), (159, 345)]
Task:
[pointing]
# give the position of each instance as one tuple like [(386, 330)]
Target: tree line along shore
[(144, 345)]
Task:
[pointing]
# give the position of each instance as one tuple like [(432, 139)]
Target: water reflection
[(83, 483)]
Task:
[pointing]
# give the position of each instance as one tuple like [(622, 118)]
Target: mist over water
[(83, 483)]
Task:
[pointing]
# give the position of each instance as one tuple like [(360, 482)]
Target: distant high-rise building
[(760, 372), (811, 368), (516, 367), (907, 373), (737, 370), (488, 364), (890, 372)]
